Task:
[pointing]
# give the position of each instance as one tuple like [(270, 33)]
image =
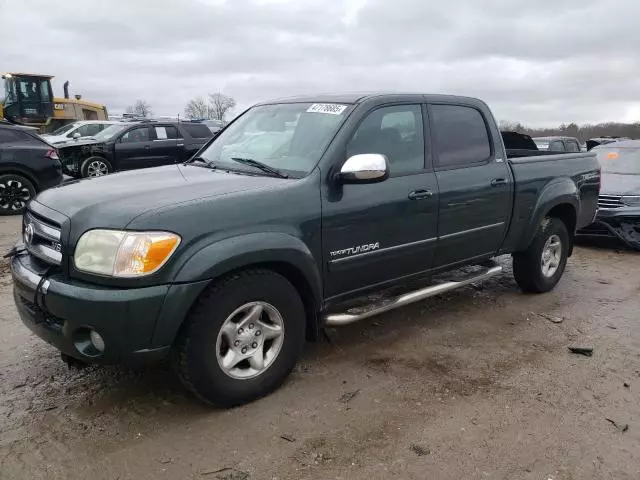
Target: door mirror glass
[(76, 135), (364, 168)]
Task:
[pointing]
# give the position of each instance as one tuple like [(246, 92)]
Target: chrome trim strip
[(471, 230), (27, 277), (45, 253), (339, 319), (411, 244), (43, 230), (382, 250)]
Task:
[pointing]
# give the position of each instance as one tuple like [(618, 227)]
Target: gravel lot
[(472, 385)]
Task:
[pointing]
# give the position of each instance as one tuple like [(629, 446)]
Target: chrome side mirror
[(364, 168)]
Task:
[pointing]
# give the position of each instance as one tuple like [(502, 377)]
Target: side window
[(92, 129), (461, 136), (197, 130), (166, 132), (556, 146), (136, 135), (572, 146), (396, 132), (83, 131)]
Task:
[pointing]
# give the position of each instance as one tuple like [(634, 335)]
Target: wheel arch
[(10, 169), (291, 259)]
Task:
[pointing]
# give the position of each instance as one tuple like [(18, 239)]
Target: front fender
[(559, 191), (233, 253)]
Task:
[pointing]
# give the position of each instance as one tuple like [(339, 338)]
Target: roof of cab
[(359, 97), (554, 137)]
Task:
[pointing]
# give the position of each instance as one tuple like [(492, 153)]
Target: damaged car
[(619, 201)]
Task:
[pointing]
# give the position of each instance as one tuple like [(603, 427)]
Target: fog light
[(96, 340)]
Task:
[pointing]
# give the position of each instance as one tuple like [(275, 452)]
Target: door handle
[(147, 147), (498, 181), (180, 145), (420, 194)]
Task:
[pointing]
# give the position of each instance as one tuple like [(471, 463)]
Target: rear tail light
[(52, 154)]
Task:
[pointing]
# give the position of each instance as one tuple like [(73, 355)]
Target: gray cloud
[(540, 63)]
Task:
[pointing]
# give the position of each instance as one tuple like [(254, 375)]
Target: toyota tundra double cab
[(279, 226)]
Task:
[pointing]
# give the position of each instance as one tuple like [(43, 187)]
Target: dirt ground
[(472, 385)]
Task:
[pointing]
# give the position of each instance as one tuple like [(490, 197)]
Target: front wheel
[(539, 268), (95, 167), (242, 338), (15, 193)]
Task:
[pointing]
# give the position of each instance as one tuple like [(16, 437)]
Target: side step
[(339, 319)]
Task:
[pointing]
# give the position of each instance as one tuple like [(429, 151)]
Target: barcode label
[(330, 108)]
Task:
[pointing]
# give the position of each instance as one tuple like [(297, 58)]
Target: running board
[(339, 319)]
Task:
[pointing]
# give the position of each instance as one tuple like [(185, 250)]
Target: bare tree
[(140, 108), (198, 108), (221, 105)]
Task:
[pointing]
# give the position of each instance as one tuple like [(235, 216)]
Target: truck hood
[(117, 199), (619, 184), (76, 142)]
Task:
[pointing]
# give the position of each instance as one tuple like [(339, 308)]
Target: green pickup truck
[(229, 262)]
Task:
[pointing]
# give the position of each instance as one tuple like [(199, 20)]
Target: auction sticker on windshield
[(330, 108)]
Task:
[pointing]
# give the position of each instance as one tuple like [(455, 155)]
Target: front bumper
[(65, 311), (621, 223)]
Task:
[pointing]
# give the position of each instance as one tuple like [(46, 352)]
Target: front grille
[(42, 238), (610, 201)]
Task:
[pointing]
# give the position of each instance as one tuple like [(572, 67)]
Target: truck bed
[(568, 175)]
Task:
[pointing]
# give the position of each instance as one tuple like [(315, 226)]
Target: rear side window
[(556, 146), (166, 132), (197, 130), (572, 146), (461, 136)]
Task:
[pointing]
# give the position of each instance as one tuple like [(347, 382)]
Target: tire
[(532, 272), (200, 351), (95, 167), (15, 193)]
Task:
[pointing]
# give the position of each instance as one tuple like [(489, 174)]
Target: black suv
[(133, 145), (28, 165)]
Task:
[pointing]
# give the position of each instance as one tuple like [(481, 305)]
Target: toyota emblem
[(28, 233)]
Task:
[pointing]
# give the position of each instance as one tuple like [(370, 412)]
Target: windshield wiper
[(261, 166)]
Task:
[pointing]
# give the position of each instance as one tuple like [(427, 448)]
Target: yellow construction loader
[(28, 100)]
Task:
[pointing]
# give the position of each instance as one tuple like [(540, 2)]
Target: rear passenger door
[(164, 145), (133, 149), (474, 182)]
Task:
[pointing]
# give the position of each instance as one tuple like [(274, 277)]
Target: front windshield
[(64, 129), (622, 160), (110, 131), (290, 137), (542, 144)]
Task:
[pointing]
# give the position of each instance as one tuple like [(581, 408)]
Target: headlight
[(124, 254), (631, 201)]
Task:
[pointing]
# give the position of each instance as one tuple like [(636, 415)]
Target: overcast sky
[(539, 62)]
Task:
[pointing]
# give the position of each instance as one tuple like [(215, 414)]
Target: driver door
[(381, 232), (133, 149)]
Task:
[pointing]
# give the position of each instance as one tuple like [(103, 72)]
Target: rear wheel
[(95, 167), (242, 338), (15, 193), (539, 268)]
